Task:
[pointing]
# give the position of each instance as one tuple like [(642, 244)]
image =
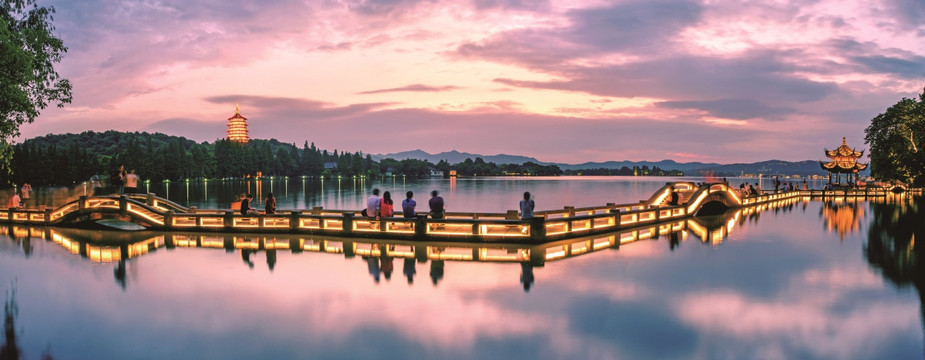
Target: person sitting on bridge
[(437, 206), (246, 208), (14, 201), (386, 207), (673, 198), (270, 204), (408, 206), (526, 207)]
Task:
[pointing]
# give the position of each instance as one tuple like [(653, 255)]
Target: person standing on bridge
[(673, 198), (26, 189), (526, 207), (131, 182)]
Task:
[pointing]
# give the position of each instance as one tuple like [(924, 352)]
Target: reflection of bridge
[(121, 246), (552, 225)]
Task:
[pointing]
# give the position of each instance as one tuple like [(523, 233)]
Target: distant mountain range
[(454, 157), (769, 167)]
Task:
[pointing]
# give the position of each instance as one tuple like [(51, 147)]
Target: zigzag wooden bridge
[(156, 213)]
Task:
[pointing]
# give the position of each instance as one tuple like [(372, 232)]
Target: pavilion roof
[(844, 166), (843, 151)]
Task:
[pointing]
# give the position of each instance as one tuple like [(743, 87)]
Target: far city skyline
[(560, 81)]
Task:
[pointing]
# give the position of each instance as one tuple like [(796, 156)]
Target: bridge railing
[(548, 225)]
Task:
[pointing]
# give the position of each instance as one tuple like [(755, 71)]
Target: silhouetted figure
[(10, 347), (246, 208), (526, 275), (674, 240), (409, 270), (119, 273), (246, 256), (270, 204), (271, 259), (387, 264), (436, 271), (673, 197), (372, 265)]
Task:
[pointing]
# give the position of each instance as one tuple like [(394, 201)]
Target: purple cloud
[(413, 88)]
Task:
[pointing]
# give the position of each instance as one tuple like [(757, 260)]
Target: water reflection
[(842, 217), (10, 348), (891, 247), (764, 283)]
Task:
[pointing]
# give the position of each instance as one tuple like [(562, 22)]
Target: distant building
[(237, 127), (844, 161)]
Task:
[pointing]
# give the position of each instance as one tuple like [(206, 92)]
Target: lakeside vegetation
[(897, 142), (62, 159)]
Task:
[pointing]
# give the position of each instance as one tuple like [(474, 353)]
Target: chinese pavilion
[(237, 127), (844, 161)]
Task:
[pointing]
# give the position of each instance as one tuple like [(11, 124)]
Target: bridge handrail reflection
[(549, 225), (119, 246)]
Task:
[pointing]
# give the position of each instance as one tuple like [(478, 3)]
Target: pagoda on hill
[(237, 127), (844, 161)]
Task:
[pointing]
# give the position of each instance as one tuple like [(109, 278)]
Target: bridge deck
[(548, 226)]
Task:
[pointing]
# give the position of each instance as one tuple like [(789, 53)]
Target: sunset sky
[(559, 80)]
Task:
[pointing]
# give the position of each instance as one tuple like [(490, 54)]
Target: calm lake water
[(796, 280)]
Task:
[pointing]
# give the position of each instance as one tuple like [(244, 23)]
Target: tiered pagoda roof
[(844, 159), (237, 127)]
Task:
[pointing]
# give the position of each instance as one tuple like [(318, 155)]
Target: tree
[(896, 138), (28, 82)]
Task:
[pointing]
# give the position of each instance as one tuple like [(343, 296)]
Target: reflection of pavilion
[(842, 218)]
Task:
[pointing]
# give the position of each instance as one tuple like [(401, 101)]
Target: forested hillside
[(72, 158)]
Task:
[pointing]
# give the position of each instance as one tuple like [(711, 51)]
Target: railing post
[(123, 204), (420, 227), (228, 219), (168, 219), (420, 252), (294, 220), (537, 229), (347, 225), (538, 256), (349, 251)]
